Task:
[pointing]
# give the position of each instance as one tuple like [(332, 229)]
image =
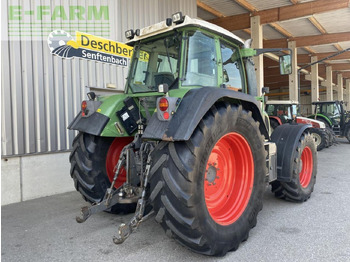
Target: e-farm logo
[(89, 47), (39, 20)]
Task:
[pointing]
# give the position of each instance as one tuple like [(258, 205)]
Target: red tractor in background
[(282, 112)]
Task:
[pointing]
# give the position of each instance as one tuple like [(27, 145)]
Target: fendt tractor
[(282, 112), (188, 141), (334, 115)]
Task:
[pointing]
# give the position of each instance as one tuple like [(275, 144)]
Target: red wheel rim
[(306, 167), (113, 157), (229, 178)]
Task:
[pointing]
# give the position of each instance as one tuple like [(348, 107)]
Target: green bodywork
[(321, 116), (111, 104)]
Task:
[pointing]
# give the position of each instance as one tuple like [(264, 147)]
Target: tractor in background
[(334, 116), (282, 112)]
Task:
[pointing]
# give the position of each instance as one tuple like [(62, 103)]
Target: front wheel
[(304, 169), (208, 191)]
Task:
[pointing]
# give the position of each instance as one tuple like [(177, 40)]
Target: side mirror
[(285, 64)]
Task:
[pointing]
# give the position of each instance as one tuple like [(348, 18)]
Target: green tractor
[(188, 142), (334, 115)]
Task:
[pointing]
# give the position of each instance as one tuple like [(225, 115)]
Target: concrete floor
[(317, 230)]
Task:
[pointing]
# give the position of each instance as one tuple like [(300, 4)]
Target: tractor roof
[(281, 102), (161, 27)]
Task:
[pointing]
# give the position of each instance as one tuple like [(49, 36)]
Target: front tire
[(207, 191), (303, 178)]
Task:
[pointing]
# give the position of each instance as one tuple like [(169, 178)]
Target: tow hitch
[(127, 193)]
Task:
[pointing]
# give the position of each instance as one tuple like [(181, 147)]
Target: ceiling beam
[(209, 9), (339, 67), (308, 40), (242, 21), (305, 59)]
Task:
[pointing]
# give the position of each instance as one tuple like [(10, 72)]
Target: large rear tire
[(303, 178), (92, 162), (207, 191)]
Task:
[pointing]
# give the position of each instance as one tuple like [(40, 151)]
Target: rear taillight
[(163, 104), (83, 108)]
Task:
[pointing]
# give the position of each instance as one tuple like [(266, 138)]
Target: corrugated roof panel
[(226, 7), (302, 51), (300, 27), (241, 34), (262, 5), (324, 48), (336, 21), (271, 33), (345, 45), (201, 13)]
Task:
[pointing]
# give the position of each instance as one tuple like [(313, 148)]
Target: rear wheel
[(208, 191), (304, 170), (321, 138), (92, 163)]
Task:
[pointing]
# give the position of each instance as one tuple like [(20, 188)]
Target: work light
[(178, 18)]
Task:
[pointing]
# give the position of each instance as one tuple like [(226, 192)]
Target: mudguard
[(93, 124), (286, 137), (191, 110)]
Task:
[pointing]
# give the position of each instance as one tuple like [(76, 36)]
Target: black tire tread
[(292, 191), (175, 202)]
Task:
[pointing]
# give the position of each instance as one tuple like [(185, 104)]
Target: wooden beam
[(209, 9), (308, 40), (305, 59), (338, 67), (317, 25), (232, 23), (242, 21), (279, 78)]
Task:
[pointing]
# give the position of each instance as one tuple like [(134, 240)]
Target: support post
[(340, 95), (348, 93), (257, 36), (329, 83), (293, 78), (315, 94)]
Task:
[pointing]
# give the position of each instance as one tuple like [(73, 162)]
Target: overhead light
[(178, 18)]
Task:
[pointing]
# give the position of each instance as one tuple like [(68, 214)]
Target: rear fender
[(287, 138), (194, 105)]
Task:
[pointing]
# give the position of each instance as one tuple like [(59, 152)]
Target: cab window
[(201, 61), (231, 66)]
